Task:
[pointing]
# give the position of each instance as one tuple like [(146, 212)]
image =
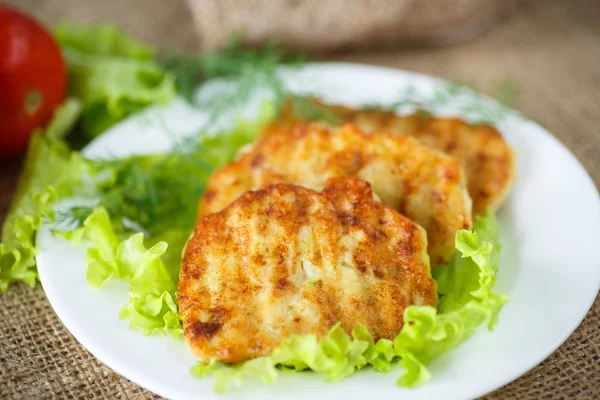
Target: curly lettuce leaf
[(336, 356), (50, 172), (113, 75), (152, 308), (467, 301), (106, 41), (146, 191), (114, 88)]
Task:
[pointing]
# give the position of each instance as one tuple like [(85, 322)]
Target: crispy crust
[(423, 184), (287, 260), (488, 160)]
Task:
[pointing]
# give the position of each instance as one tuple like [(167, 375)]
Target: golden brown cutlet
[(488, 161), (421, 183), (287, 260)]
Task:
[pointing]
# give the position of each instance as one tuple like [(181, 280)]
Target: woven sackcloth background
[(550, 49)]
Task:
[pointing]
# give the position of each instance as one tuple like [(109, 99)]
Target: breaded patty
[(487, 159), (423, 184), (287, 260)]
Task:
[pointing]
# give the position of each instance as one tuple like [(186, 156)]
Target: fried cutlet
[(421, 183), (285, 260)]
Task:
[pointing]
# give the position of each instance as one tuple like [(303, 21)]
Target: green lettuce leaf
[(106, 41), (113, 75), (50, 172), (152, 308), (146, 191), (467, 300)]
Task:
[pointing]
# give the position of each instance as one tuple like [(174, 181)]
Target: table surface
[(549, 49)]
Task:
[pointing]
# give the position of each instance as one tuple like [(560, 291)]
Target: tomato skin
[(33, 79)]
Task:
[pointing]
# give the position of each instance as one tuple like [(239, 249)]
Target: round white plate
[(550, 267)]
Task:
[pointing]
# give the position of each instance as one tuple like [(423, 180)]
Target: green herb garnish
[(248, 68)]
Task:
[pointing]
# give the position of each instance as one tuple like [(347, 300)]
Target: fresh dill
[(154, 192), (304, 108), (248, 71), (151, 194), (248, 68), (71, 218), (463, 96)]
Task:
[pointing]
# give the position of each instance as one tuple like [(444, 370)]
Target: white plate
[(550, 268)]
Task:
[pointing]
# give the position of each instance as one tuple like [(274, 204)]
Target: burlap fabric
[(550, 49)]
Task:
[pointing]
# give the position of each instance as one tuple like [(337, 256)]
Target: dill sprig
[(249, 68), (152, 194), (304, 108), (71, 218), (465, 96), (156, 192)]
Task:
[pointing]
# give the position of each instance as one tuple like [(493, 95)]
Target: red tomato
[(33, 79)]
